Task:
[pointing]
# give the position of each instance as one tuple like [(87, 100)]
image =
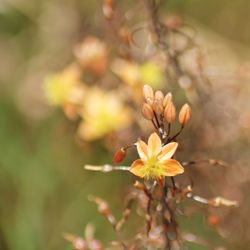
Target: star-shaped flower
[(155, 160)]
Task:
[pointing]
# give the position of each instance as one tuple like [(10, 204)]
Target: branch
[(214, 202), (106, 168), (212, 162)]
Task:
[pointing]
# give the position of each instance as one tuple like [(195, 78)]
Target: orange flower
[(156, 162)]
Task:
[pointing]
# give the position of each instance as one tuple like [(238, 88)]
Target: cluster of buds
[(160, 110)]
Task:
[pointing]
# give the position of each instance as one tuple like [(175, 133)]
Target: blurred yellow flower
[(133, 74), (156, 162), (102, 113), (64, 87), (151, 73), (127, 71)]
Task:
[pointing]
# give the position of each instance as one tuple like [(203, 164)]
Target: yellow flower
[(127, 71), (64, 87), (156, 162), (102, 113), (152, 73), (134, 74)]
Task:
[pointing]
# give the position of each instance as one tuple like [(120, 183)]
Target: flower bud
[(167, 99), (148, 94), (158, 102), (185, 114), (119, 155), (170, 112), (213, 220), (147, 111), (159, 95)]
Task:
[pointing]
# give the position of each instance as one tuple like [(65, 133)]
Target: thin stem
[(173, 138), (128, 146), (157, 121), (106, 168), (164, 220), (155, 126), (160, 31), (212, 162), (125, 215), (173, 182), (148, 215), (169, 129)]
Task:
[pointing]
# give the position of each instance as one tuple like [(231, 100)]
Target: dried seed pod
[(119, 155), (148, 94), (147, 111), (167, 99), (158, 102), (185, 114), (170, 112)]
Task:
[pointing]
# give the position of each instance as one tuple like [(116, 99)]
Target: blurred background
[(43, 185)]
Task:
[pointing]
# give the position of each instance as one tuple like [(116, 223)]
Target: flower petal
[(142, 149), (154, 145), (136, 167), (168, 151), (172, 167)]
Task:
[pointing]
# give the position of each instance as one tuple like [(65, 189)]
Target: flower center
[(152, 168)]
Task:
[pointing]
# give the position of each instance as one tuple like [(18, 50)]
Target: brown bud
[(159, 95), (147, 111), (158, 108), (167, 99), (170, 112), (148, 94), (119, 155), (158, 102), (185, 114)]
